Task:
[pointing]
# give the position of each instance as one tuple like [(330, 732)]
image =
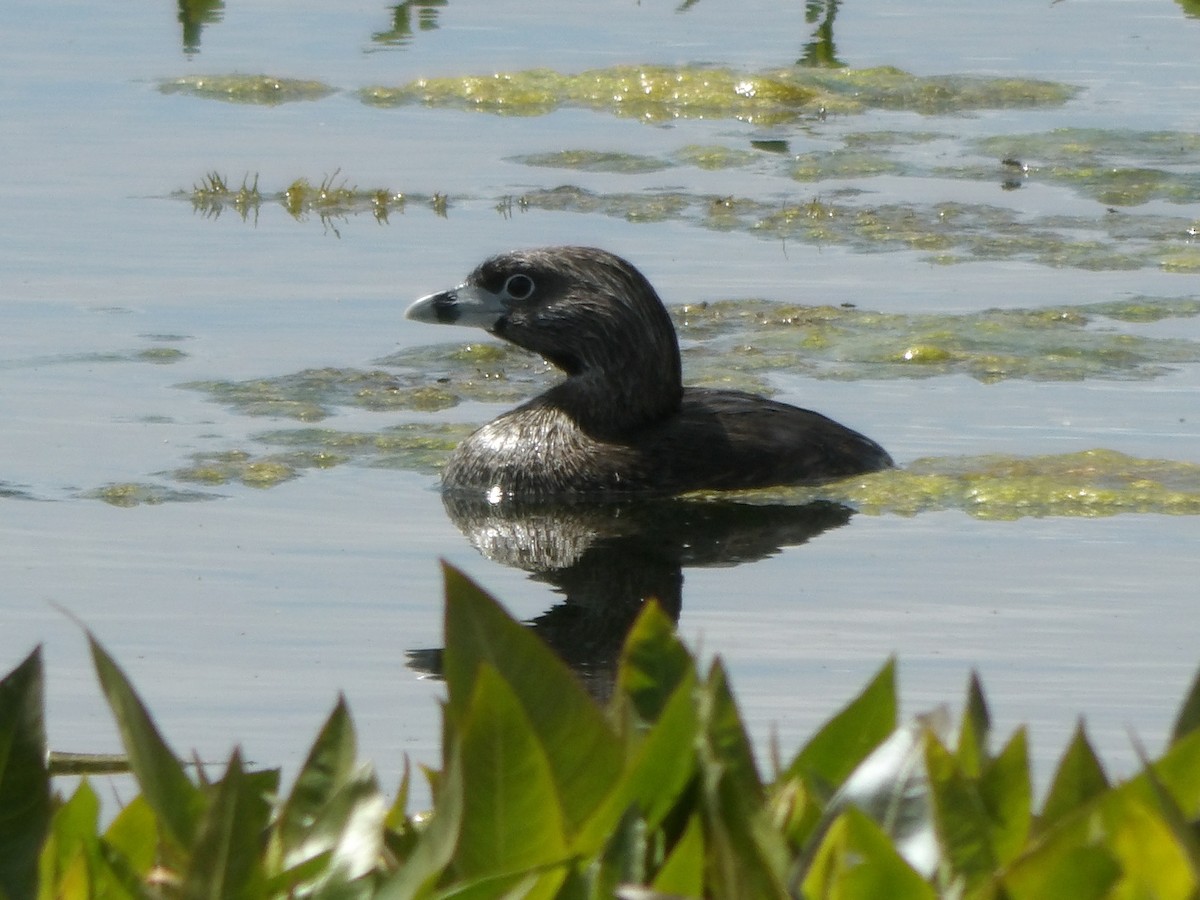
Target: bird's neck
[(611, 402)]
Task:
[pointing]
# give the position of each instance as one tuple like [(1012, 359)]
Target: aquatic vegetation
[(1057, 343), (746, 340), (225, 466), (1118, 167), (1090, 483), (659, 791), (329, 199), (658, 93), (741, 344), (130, 494), (947, 231), (265, 90), (436, 377), (310, 395), (594, 161)]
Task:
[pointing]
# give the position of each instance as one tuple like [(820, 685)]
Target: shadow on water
[(606, 560)]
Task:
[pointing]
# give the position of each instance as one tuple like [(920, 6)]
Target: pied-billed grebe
[(621, 421)]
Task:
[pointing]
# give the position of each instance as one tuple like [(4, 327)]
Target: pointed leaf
[(329, 765), (1079, 779), (846, 739), (892, 787), (962, 821), (726, 741), (583, 752), (1008, 797), (72, 835), (747, 856), (512, 819), (1173, 817), (1178, 771), (653, 662), (175, 800), (973, 734), (857, 860), (225, 860), (134, 836), (682, 873), (24, 782), (1188, 719), (662, 766), (436, 842)]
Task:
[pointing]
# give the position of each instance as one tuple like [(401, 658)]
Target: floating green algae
[(430, 379), (264, 90), (311, 395), (716, 156), (741, 343), (415, 447), (843, 164), (947, 232), (1090, 483), (130, 494), (409, 446), (1118, 167), (1060, 343), (226, 466), (594, 161), (659, 93), (162, 356)]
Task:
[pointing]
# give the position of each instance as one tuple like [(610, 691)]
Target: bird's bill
[(467, 304)]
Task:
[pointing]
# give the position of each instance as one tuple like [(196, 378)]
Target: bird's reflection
[(607, 559)]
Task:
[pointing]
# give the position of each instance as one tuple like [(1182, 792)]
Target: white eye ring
[(519, 286)]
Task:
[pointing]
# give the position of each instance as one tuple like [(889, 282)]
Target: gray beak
[(466, 304)]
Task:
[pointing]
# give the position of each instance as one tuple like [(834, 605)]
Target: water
[(240, 618)]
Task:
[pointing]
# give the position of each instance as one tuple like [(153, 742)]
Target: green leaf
[(1178, 771), (133, 834), (856, 861), (850, 736), (653, 663), (584, 754), (1188, 719), (661, 767), (728, 747), (1152, 862), (437, 841), (226, 857), (176, 802), (1173, 817), (1063, 869), (682, 873), (328, 767), (747, 856), (72, 834), (1079, 779), (1008, 798), (973, 734), (512, 820), (24, 782), (961, 818)]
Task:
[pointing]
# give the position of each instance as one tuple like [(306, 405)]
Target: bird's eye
[(519, 287)]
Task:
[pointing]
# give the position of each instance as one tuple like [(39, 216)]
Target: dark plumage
[(621, 421)]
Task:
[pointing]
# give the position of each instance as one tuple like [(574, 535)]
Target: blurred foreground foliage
[(543, 793)]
